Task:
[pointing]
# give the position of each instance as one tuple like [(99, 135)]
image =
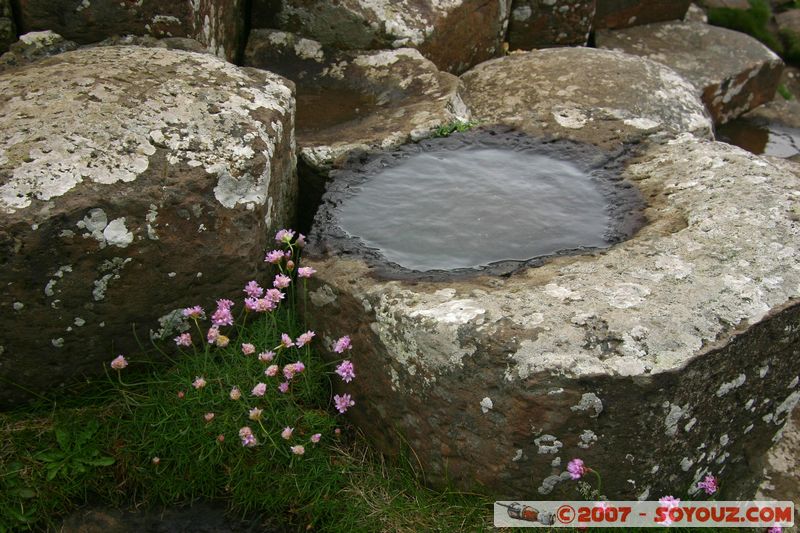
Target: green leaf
[(26, 493), (52, 471), (100, 461), (62, 437), (51, 456)]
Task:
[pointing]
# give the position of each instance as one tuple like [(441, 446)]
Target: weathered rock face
[(744, 75), (218, 24), (455, 35), (781, 466), (34, 46), (8, 31), (359, 100), (133, 181), (544, 24), (625, 13), (669, 356), (772, 129), (604, 98)]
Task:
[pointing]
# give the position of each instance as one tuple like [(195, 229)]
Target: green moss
[(753, 21), (445, 130)]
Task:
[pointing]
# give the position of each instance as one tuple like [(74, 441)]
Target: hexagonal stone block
[(454, 35), (670, 356), (602, 97), (218, 24), (545, 24), (133, 182), (357, 100), (732, 72), (612, 14)]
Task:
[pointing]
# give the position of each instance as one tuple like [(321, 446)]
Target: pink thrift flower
[(194, 312), (119, 362), (288, 371), (222, 317), (224, 304), (251, 304), (301, 241), (245, 431), (283, 387), (156, 460), (264, 305), (287, 433), (298, 450), (576, 469), (248, 439), (285, 236), (281, 281), (305, 272), (222, 341), (266, 357), (209, 417), (775, 529), (181, 394), (709, 484), (274, 257), (274, 295), (337, 432), (255, 413), (289, 265), (316, 437), (259, 389), (669, 501), (286, 341), (343, 402), (342, 344), (248, 349), (305, 338), (235, 393), (253, 289), (346, 371), (184, 339), (271, 371), (199, 383), (220, 438), (213, 333), (299, 367)]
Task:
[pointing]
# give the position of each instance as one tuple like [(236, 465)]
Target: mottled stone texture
[(218, 24), (604, 98), (670, 356), (8, 31), (357, 100), (732, 72), (133, 181), (625, 13), (455, 34), (34, 46), (545, 24)]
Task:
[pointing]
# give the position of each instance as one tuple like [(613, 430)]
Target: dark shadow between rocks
[(483, 202)]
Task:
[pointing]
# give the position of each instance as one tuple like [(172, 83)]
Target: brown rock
[(454, 35), (543, 24), (357, 100), (218, 24), (625, 13), (732, 71), (133, 182), (604, 98)]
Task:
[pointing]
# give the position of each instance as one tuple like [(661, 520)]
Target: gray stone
[(34, 46), (732, 72), (696, 13), (545, 23), (781, 481), (133, 181), (455, 35), (605, 98), (686, 335), (625, 13), (357, 100), (218, 24)]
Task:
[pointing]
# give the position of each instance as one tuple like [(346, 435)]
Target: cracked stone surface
[(454, 34), (605, 98), (733, 72), (669, 356), (218, 24), (357, 100), (545, 24), (133, 181), (612, 14)]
